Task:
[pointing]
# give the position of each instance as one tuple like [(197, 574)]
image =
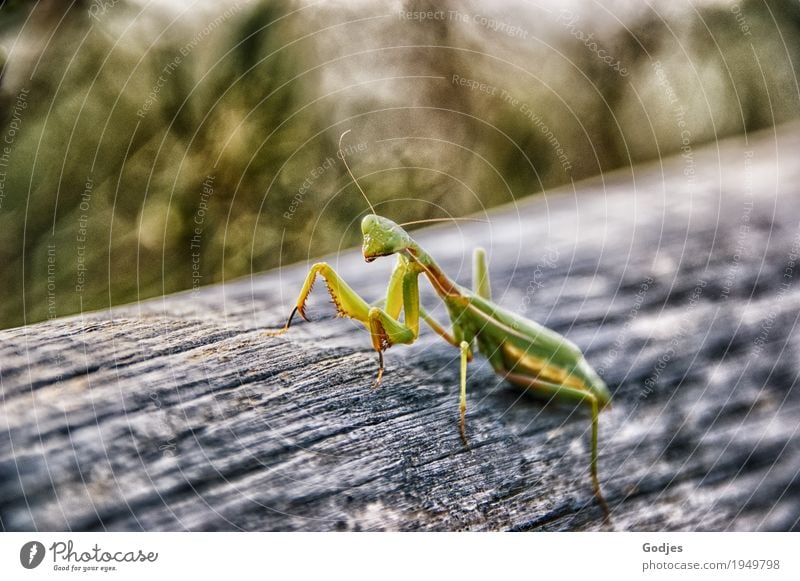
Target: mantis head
[(382, 237)]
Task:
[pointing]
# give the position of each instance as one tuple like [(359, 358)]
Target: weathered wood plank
[(180, 414)]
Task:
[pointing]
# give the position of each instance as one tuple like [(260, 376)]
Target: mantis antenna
[(427, 220), (344, 159), (349, 171)]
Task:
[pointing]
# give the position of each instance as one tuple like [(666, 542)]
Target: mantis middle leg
[(480, 284), (578, 396)]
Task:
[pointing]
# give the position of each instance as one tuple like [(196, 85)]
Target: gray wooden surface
[(676, 279)]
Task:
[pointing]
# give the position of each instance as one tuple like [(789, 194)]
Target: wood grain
[(677, 279)]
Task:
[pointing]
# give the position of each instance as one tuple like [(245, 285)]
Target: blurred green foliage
[(150, 149)]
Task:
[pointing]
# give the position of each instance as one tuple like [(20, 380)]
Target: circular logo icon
[(31, 554)]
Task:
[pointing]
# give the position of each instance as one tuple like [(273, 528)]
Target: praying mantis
[(525, 353)]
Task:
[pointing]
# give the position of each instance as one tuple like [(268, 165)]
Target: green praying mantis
[(522, 351)]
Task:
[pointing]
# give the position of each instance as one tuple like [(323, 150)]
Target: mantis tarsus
[(525, 353)]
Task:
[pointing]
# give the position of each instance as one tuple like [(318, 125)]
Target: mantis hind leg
[(571, 394), (480, 275)]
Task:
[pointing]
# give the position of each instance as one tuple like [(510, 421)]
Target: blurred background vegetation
[(150, 147)]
